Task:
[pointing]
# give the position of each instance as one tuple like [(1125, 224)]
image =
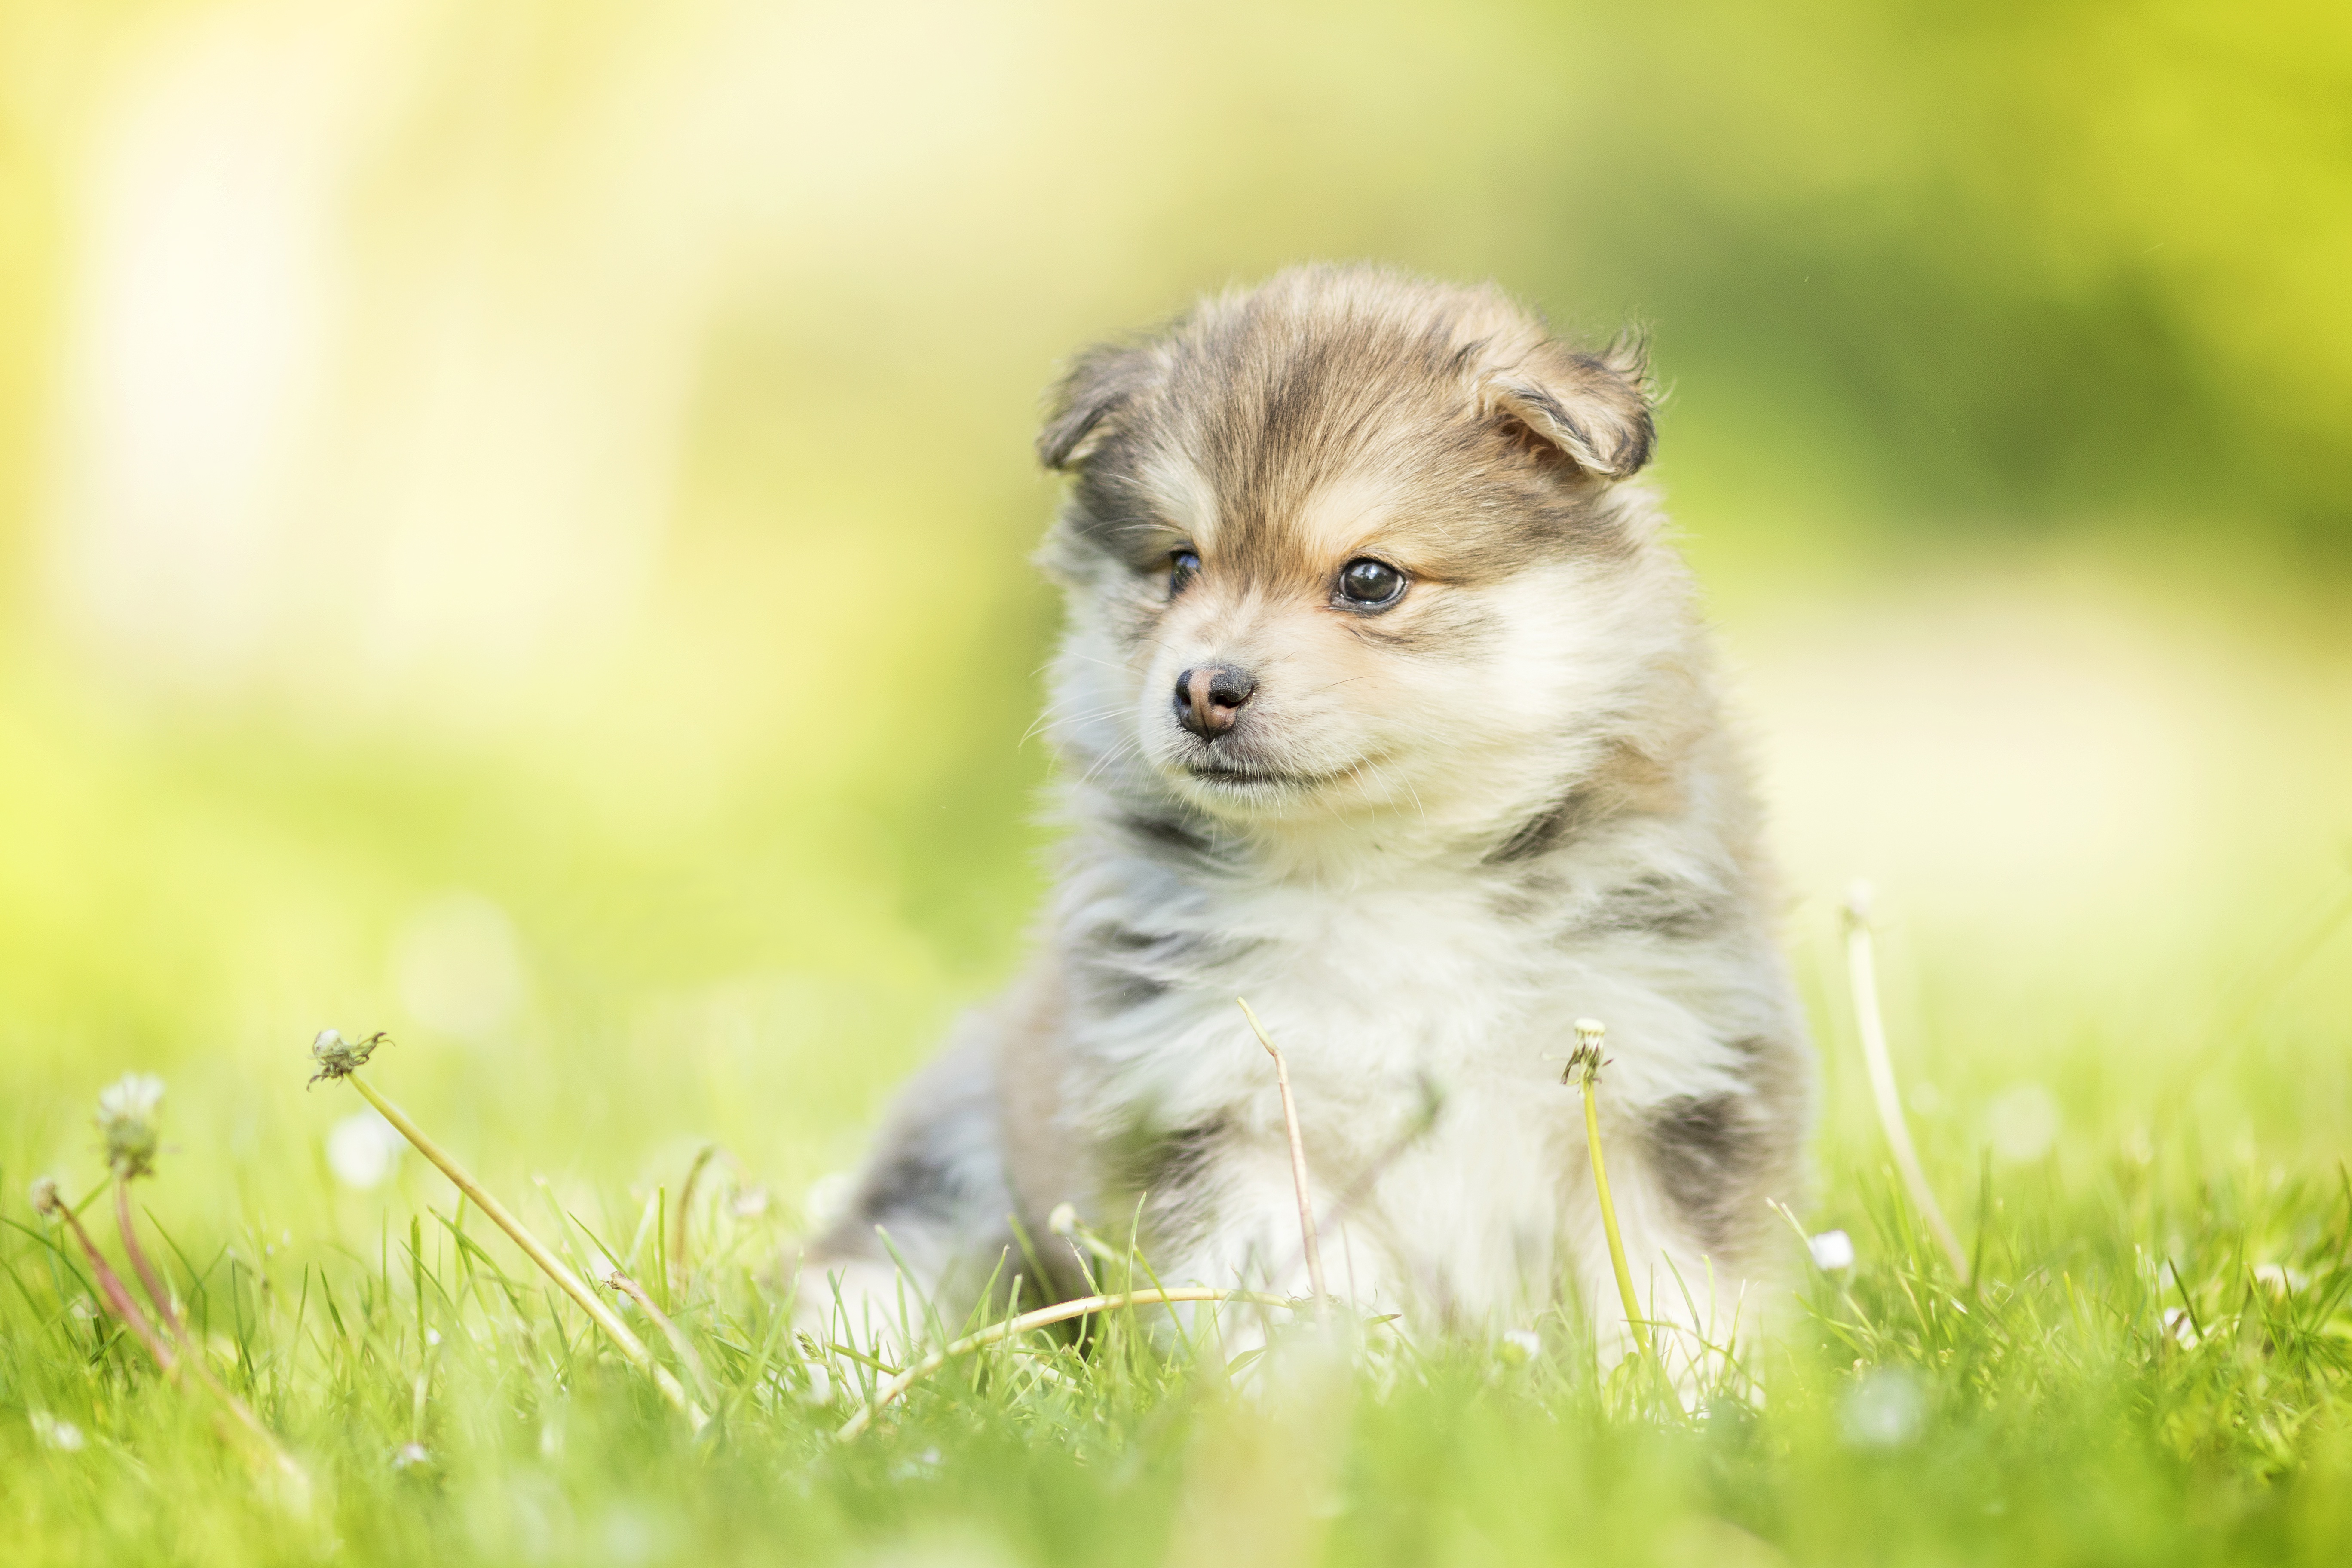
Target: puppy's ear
[(1593, 408), (1101, 380)]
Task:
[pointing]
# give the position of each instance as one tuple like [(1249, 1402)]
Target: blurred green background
[(513, 522)]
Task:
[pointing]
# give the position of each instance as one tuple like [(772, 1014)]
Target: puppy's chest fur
[(1445, 987)]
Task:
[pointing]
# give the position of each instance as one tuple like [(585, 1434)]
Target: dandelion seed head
[(126, 1121)]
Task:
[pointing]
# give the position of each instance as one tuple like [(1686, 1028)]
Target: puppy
[(1384, 704)]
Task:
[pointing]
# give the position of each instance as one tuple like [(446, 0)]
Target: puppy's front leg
[(1695, 1284), (935, 1187)]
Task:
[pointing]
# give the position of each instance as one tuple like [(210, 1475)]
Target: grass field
[(2119, 1019)]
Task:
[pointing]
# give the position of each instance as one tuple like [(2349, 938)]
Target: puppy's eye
[(1182, 566), (1371, 585)]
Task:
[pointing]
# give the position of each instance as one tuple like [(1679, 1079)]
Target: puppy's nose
[(1209, 700)]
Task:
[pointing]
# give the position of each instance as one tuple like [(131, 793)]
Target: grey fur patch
[(1168, 838), (1115, 986), (1167, 1166), (1169, 1174), (907, 1185), (1657, 905), (1706, 1153), (1122, 967), (1547, 829)]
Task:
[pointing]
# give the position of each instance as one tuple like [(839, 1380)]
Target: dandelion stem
[(193, 1354), (1861, 975), (1044, 1317), (617, 1280), (552, 1266), (117, 1296), (1585, 1068), (675, 1257), (1297, 1168)]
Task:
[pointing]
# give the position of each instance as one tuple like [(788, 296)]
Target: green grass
[(2121, 1385)]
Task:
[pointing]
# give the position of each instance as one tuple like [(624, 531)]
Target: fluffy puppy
[(1383, 702)]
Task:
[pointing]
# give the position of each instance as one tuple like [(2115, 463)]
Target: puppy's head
[(1349, 539)]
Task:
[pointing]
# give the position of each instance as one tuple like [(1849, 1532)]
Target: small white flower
[(409, 1454), (362, 1150), (52, 1433), (1832, 1249), (2280, 1280), (1521, 1344), (1884, 1410), (749, 1204), (2023, 1121), (432, 1338), (1064, 1219), (44, 1195), (2181, 1325), (126, 1119), (826, 1203)]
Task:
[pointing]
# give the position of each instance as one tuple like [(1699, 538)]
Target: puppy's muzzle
[(1209, 700)]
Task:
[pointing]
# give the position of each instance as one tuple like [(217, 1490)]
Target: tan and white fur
[(1421, 835)]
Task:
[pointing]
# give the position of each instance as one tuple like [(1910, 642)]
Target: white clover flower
[(52, 1433), (1832, 1250), (126, 1119)]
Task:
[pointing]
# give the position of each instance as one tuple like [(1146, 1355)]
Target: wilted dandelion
[(338, 1058), (126, 1121)]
